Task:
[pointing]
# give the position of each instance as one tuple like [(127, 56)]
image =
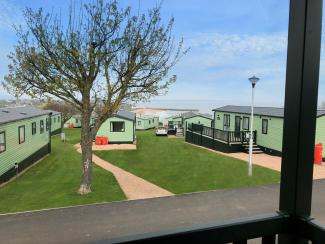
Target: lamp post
[(253, 81)]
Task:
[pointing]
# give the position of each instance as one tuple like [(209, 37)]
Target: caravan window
[(117, 126), (41, 126), (2, 141), (265, 126), (33, 128), (226, 121), (245, 123), (21, 134), (47, 122)]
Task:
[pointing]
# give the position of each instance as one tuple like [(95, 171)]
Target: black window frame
[(4, 143), (139, 122), (34, 128), (246, 118), (41, 126), (19, 127), (265, 129), (112, 126)]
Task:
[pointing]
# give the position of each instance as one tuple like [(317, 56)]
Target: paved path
[(133, 186), (108, 147), (267, 161), (91, 223)]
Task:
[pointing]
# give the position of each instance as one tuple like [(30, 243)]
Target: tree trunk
[(86, 147)]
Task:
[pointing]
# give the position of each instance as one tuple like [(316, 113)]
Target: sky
[(229, 41)]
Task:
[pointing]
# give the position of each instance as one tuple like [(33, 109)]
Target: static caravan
[(73, 122), (147, 122), (178, 124), (24, 139), (196, 118), (267, 125), (181, 120), (120, 128), (175, 121), (56, 122)]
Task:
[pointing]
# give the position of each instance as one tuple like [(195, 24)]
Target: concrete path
[(109, 147), (267, 161), (133, 186), (104, 222)]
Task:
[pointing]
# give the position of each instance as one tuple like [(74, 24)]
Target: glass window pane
[(2, 137), (206, 111), (21, 132), (318, 211), (117, 126), (2, 141)]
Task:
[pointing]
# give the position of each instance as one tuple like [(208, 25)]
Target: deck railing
[(237, 231), (222, 135)]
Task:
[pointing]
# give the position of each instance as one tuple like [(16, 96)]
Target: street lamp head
[(254, 80)]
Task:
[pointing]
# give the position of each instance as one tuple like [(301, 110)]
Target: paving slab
[(266, 160), (109, 147)]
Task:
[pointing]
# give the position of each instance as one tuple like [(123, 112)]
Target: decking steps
[(256, 148), (179, 132)]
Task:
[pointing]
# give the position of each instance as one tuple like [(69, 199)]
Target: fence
[(222, 135)]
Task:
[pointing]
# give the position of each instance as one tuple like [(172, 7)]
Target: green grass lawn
[(181, 168), (72, 135), (54, 182)]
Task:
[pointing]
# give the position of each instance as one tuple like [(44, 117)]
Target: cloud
[(10, 14), (235, 45), (216, 53), (218, 65)]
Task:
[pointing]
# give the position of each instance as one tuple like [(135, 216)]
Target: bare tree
[(67, 110), (103, 57)]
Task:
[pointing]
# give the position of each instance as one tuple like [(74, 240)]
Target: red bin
[(98, 140), (318, 157), (71, 125), (104, 140)]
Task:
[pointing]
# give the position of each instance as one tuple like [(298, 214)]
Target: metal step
[(255, 149), (254, 146)]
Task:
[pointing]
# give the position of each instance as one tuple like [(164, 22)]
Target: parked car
[(171, 130), (161, 131)]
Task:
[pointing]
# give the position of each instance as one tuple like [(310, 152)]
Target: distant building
[(56, 122), (178, 124), (267, 127), (196, 118), (75, 121), (120, 128), (147, 122), (181, 120), (24, 138)]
